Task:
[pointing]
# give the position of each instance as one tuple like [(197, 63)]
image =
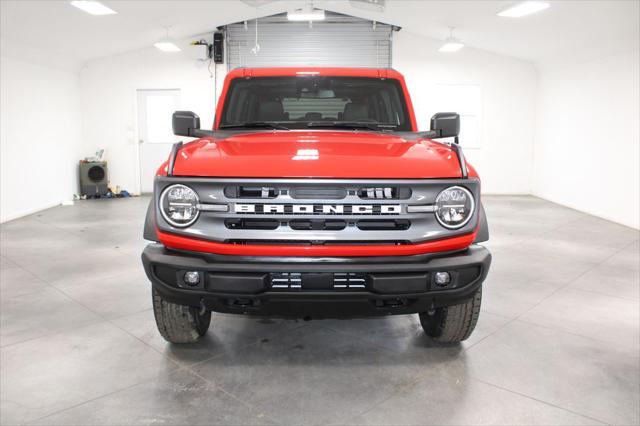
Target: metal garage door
[(339, 40)]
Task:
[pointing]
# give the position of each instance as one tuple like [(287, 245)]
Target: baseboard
[(590, 213), (29, 212)]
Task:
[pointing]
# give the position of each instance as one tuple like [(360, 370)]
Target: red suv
[(315, 196)]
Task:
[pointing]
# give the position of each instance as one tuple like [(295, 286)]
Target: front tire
[(179, 323), (452, 324)]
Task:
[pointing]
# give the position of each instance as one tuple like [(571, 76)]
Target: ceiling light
[(167, 46), (451, 44), (523, 9), (306, 15), (93, 7)]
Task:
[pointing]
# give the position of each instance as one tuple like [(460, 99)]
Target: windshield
[(303, 102)]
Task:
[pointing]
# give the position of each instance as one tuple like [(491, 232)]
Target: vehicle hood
[(317, 154)]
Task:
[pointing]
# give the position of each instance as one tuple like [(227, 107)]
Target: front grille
[(315, 211)]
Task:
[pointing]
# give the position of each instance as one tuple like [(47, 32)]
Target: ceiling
[(571, 30)]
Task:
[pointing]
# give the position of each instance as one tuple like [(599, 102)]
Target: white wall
[(504, 160), (109, 101), (40, 137), (588, 132)]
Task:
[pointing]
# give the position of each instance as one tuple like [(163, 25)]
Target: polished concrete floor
[(557, 341)]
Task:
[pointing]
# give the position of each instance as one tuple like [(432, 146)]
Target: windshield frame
[(404, 103)]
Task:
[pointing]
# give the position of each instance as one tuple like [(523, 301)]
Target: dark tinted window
[(297, 101)]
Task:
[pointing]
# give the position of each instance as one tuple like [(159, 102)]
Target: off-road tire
[(455, 323), (179, 323)]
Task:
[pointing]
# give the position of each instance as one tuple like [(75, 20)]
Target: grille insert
[(287, 281), (317, 225), (382, 193), (318, 193), (349, 280), (251, 192), (383, 225), (267, 224)]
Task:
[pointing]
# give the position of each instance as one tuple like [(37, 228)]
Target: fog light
[(442, 279), (192, 278)]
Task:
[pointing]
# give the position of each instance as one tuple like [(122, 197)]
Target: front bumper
[(248, 285)]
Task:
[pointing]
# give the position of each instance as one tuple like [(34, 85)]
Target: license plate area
[(317, 281)]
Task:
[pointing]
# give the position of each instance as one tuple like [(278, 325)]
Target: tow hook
[(203, 308), (432, 309)]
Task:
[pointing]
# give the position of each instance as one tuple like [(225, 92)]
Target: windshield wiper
[(352, 125), (254, 124)]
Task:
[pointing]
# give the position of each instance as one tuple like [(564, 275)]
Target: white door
[(155, 135)]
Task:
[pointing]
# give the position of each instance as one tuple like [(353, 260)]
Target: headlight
[(179, 205), (454, 207)]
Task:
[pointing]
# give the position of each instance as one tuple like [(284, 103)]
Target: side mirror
[(446, 124), (185, 123)]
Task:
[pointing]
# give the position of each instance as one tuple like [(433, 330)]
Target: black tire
[(455, 323), (179, 323)]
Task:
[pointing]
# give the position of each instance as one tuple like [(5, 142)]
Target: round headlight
[(454, 207), (179, 205)]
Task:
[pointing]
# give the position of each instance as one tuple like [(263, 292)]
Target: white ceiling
[(570, 30)]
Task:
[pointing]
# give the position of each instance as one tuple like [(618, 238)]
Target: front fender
[(149, 232), (483, 227)]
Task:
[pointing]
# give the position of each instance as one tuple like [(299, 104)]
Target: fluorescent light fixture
[(93, 7), (306, 15), (523, 9), (167, 46), (451, 45)]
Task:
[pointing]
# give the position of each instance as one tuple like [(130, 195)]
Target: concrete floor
[(557, 341)]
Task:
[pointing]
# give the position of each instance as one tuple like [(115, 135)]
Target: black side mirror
[(446, 124), (185, 123)]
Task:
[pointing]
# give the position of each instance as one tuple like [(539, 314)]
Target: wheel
[(179, 323), (452, 323)]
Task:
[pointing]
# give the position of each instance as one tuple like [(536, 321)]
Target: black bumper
[(252, 285)]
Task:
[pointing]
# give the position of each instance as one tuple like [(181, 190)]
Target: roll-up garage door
[(339, 40)]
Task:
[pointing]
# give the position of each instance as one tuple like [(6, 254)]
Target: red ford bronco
[(315, 196)]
